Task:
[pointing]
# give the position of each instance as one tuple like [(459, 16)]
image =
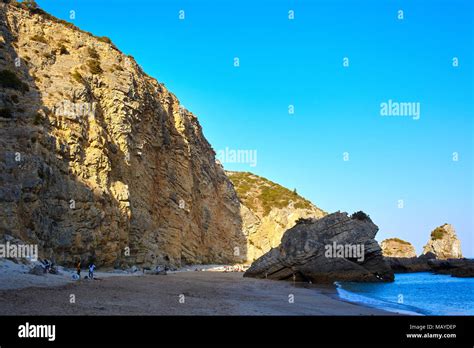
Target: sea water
[(415, 293)]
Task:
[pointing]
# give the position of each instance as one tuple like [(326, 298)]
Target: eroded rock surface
[(99, 160), (395, 247), (310, 252), (444, 243), (267, 211)]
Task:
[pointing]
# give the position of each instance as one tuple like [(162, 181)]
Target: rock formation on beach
[(428, 263), (462, 268), (444, 243), (336, 247), (442, 254), (409, 264), (395, 247), (267, 211), (99, 160)]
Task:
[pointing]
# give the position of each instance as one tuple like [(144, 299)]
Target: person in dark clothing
[(78, 268)]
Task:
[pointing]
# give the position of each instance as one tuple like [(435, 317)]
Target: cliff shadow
[(42, 200)]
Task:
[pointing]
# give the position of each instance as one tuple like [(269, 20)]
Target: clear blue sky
[(337, 109)]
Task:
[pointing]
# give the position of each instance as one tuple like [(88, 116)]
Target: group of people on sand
[(235, 268), (91, 270)]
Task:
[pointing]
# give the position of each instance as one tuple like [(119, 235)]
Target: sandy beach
[(180, 293)]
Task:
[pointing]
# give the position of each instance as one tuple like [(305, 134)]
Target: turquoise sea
[(415, 293)]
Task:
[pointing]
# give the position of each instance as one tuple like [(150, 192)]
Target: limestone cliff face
[(98, 159), (267, 211), (444, 243), (394, 247)]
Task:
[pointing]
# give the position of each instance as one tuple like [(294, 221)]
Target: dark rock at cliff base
[(462, 268), (428, 263), (334, 248), (408, 264), (37, 270)]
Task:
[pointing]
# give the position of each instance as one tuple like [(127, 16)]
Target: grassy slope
[(261, 195)]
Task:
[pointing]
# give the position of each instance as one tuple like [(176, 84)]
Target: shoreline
[(353, 297), (179, 293), (415, 293)]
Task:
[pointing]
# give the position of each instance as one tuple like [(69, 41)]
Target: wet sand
[(182, 293)]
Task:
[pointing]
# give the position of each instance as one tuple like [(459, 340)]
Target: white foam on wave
[(375, 303)]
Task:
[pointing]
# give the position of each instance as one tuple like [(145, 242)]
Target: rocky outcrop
[(462, 268), (408, 264), (454, 267), (267, 211), (443, 243), (428, 263), (394, 247), (99, 160), (333, 248)]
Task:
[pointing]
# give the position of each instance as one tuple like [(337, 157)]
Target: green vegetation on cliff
[(438, 233), (260, 194), (8, 79), (398, 240)]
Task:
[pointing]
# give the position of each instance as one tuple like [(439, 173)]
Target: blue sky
[(337, 109)]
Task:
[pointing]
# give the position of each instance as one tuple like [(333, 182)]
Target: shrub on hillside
[(37, 119), (305, 221), (39, 38), (94, 67), (8, 79), (104, 39), (5, 113), (77, 76), (93, 53), (398, 240), (14, 98), (63, 50), (437, 233), (360, 215)]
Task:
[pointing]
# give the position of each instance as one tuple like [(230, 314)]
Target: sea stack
[(443, 243), (395, 247)]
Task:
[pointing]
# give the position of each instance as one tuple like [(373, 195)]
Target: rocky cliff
[(444, 243), (394, 247), (267, 211), (99, 160), (336, 247)]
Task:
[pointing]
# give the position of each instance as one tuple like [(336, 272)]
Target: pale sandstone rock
[(444, 243), (394, 247), (264, 226)]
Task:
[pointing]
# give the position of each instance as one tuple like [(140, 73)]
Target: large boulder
[(444, 243), (395, 247), (336, 247)]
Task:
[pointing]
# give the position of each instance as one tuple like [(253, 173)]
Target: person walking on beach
[(91, 270), (78, 268)]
